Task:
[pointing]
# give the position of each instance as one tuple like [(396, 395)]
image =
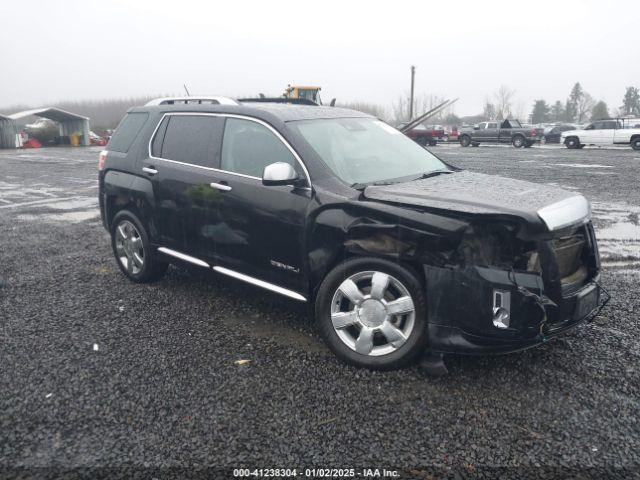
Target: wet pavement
[(201, 371)]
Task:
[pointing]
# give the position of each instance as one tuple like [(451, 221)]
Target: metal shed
[(8, 132), (68, 122)]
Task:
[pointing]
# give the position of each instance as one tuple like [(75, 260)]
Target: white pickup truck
[(620, 131)]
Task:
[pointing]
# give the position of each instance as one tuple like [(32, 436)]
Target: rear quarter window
[(127, 131)]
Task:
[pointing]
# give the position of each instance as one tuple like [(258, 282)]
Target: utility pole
[(413, 77)]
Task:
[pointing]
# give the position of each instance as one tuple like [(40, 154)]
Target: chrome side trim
[(228, 115), (566, 212), (261, 283), (185, 257), (193, 99), (211, 169)]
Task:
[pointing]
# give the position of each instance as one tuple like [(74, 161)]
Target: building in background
[(8, 132), (73, 129)]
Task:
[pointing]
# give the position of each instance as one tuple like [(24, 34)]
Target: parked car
[(450, 134), (398, 252), (423, 135), (603, 133), (505, 131), (552, 133), (95, 139), (437, 131)]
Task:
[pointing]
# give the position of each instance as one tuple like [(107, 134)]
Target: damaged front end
[(497, 278), (510, 289)]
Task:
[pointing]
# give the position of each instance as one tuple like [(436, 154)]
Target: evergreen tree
[(540, 112), (576, 95), (631, 102), (557, 112), (600, 111)]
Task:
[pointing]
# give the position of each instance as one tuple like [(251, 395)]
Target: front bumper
[(460, 310)]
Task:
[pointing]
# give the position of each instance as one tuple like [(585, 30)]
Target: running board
[(185, 257), (231, 273), (261, 283)]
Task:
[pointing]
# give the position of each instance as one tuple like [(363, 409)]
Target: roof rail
[(295, 101), (192, 100)]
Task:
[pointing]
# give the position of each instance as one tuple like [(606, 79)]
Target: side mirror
[(476, 127), (279, 173)]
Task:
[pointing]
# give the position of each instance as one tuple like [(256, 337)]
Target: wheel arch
[(129, 192), (376, 235)]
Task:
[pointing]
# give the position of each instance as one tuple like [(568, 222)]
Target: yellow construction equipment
[(296, 92)]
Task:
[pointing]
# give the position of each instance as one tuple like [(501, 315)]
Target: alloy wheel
[(372, 313), (129, 247)]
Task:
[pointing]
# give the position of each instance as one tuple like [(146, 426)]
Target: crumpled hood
[(478, 193)]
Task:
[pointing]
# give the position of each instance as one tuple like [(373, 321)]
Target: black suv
[(399, 252)]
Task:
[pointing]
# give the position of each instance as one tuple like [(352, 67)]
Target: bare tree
[(520, 111), (400, 109), (366, 107), (489, 110), (503, 98), (423, 103), (583, 107)]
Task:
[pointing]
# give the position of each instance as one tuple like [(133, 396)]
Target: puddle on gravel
[(583, 165), (283, 335), (69, 217), (617, 228)]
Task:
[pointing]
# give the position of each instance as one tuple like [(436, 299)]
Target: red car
[(425, 135)]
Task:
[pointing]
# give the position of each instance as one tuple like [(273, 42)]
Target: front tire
[(133, 252), (372, 314), (635, 143), (465, 141)]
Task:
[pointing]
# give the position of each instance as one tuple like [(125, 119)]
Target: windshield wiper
[(435, 173)]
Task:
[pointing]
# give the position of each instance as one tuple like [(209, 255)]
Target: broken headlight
[(493, 244)]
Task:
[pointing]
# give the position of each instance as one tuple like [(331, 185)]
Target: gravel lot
[(98, 372)]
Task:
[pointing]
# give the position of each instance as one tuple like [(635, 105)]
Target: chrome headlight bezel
[(570, 211)]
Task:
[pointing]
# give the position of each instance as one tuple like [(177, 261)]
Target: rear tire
[(465, 140), (133, 252), (572, 142), (635, 143), (372, 313)]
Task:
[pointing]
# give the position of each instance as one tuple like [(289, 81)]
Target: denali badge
[(284, 266)]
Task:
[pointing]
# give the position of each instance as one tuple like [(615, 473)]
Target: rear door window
[(127, 131), (192, 139), (248, 147)]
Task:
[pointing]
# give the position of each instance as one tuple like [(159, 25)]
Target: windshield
[(366, 150)]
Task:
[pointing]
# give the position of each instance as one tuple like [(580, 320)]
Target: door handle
[(149, 170), (220, 186)]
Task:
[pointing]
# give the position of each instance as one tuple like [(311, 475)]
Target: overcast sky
[(355, 50)]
